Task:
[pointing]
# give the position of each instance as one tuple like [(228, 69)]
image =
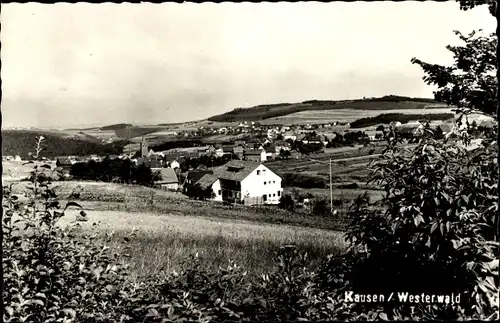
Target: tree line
[(116, 170), (387, 118), (16, 142)]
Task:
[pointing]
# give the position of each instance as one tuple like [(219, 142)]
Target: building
[(211, 181), (196, 174), (174, 164), (228, 149), (65, 163), (289, 135), (238, 151), (282, 145), (245, 182), (258, 155), (168, 181), (143, 148), (271, 151)]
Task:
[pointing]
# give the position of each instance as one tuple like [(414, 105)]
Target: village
[(237, 171)]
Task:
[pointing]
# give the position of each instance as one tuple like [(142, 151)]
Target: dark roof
[(171, 158), (63, 161), (253, 152), (168, 175), (153, 163), (282, 143), (196, 175), (271, 147), (236, 170), (406, 130), (206, 181)]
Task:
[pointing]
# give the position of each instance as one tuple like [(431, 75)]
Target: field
[(13, 170), (163, 242), (343, 115), (270, 111), (169, 227)]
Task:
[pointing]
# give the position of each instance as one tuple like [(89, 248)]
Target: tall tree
[(470, 83)]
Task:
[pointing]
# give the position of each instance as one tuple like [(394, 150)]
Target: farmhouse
[(64, 163), (281, 145), (255, 155), (195, 175), (271, 151), (169, 180), (245, 182), (211, 181)]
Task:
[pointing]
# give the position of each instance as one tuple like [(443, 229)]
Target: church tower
[(144, 148)]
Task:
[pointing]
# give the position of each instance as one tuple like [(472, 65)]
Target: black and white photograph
[(254, 162)]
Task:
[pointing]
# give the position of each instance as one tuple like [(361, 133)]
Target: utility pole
[(342, 191), (331, 188)]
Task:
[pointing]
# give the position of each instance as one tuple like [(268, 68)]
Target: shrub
[(302, 181), (54, 274), (287, 203), (195, 191), (434, 231), (321, 207)]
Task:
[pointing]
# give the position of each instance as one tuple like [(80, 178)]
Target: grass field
[(344, 115), (162, 242)]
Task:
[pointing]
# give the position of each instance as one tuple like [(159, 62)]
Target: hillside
[(262, 112), (22, 143)]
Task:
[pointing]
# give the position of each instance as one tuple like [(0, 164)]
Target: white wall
[(170, 186), (255, 187), (263, 156), (216, 188)]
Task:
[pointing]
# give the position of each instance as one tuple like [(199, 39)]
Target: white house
[(174, 164), (209, 180), (169, 180), (259, 155), (245, 182), (289, 135)]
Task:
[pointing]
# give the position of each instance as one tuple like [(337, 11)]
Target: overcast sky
[(81, 64)]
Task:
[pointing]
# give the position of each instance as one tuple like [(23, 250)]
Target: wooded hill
[(261, 112), (22, 143)]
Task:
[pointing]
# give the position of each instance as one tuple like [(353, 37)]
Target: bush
[(54, 274), (117, 170), (387, 118), (195, 191), (302, 181), (287, 203), (321, 207), (434, 231)]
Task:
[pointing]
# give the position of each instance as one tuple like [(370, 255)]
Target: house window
[(264, 183), (263, 172), (274, 182), (274, 194), (264, 197), (279, 193), (258, 172), (220, 192), (269, 195)]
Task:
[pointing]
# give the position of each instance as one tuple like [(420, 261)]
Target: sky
[(71, 65)]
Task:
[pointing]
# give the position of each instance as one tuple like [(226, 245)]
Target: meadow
[(344, 115), (164, 228), (159, 244)]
